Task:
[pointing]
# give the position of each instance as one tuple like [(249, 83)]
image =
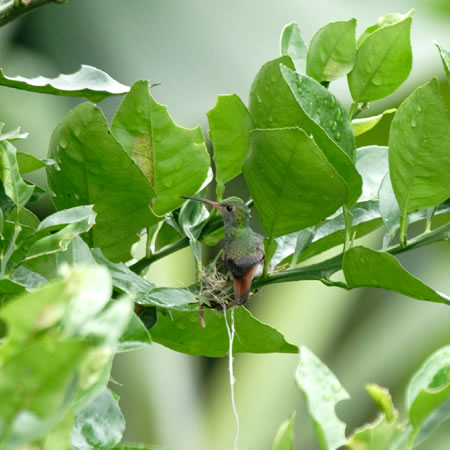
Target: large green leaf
[(281, 98), (94, 169), (293, 45), (332, 51), (229, 131), (323, 391), (15, 188), (284, 439), (364, 267), (383, 59), (427, 391), (182, 331), (419, 159), (445, 56), (99, 425), (291, 181), (87, 82), (174, 159)]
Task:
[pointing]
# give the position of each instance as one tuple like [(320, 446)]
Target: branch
[(16, 8)]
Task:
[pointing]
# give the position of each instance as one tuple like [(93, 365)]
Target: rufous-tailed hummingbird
[(243, 251)]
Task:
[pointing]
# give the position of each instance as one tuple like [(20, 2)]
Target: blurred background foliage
[(197, 50)]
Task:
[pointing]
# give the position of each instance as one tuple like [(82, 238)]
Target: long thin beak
[(204, 200)]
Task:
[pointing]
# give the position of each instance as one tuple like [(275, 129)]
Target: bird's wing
[(241, 266)]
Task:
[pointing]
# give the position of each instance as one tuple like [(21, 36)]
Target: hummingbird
[(243, 251)]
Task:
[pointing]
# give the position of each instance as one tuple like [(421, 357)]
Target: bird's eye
[(229, 208)]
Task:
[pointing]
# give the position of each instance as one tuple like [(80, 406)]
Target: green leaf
[(140, 447), (174, 159), (167, 235), (89, 82), (428, 389), (94, 169), (168, 298), (361, 126), (389, 209), (136, 336), (192, 218), (419, 140), (302, 102), (99, 425), (182, 331), (284, 439), (282, 172), (293, 45), (372, 164), (28, 163), (364, 267), (229, 131), (12, 135), (383, 399), (15, 188), (332, 51), (59, 436), (323, 391), (445, 56), (383, 59)]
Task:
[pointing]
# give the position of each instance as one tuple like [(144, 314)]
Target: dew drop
[(413, 123), (77, 197), (168, 182), (258, 99), (419, 108), (333, 125), (337, 136), (338, 114)]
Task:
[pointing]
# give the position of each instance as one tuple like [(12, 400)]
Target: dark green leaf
[(282, 172), (94, 169), (10, 288), (167, 235), (88, 82), (229, 131), (383, 59), (361, 126), (192, 216), (332, 51), (364, 267), (28, 163), (15, 188), (99, 425), (372, 164), (174, 159), (323, 391), (445, 56), (182, 331), (136, 336), (293, 45), (284, 439), (419, 159)]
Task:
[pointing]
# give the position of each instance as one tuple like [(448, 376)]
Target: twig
[(16, 8)]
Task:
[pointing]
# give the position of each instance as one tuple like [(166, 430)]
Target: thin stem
[(9, 250), (16, 8), (404, 222), (348, 220)]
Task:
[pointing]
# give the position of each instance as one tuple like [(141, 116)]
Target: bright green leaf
[(229, 131), (282, 172), (28, 163), (323, 391), (383, 399), (293, 45), (136, 336), (364, 267), (15, 188), (445, 56), (332, 51), (94, 169), (383, 59), (99, 425), (174, 159), (182, 331), (361, 126), (59, 436), (89, 82), (284, 439), (419, 159), (140, 447)]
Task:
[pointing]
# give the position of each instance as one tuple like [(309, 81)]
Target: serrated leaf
[(383, 59), (361, 126), (229, 131), (281, 171), (332, 51), (284, 439), (99, 425), (364, 267), (323, 391), (293, 45), (182, 331), (174, 159), (88, 82), (445, 57), (15, 188), (419, 140), (94, 169)]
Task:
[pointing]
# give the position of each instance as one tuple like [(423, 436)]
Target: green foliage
[(68, 283)]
